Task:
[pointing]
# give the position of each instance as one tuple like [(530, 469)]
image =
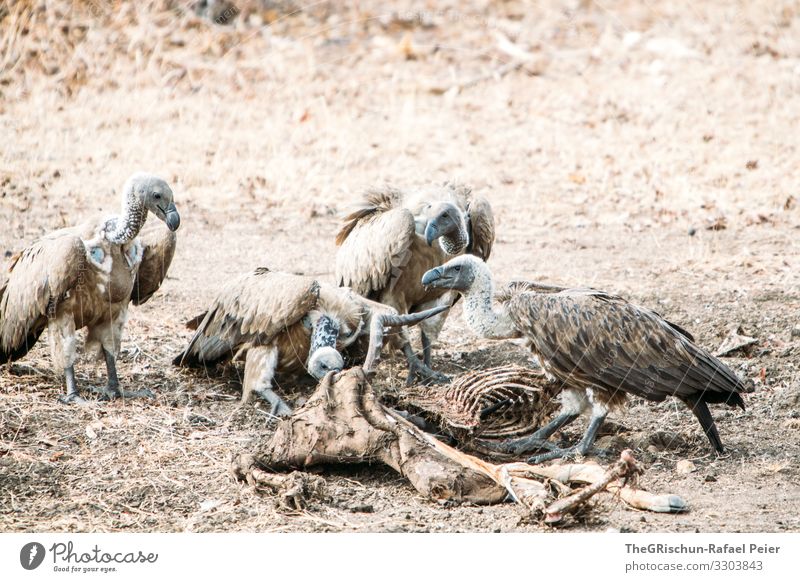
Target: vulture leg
[(111, 391), (379, 321), (585, 445), (259, 372), (536, 441), (432, 327), (418, 371), (426, 348), (109, 336), (61, 335), (72, 396)]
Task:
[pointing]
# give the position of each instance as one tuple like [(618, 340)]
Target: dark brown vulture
[(598, 346), (85, 276)]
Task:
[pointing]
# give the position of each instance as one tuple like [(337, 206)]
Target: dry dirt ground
[(646, 149)]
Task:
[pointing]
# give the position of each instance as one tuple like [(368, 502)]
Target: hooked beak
[(431, 232), (430, 278), (172, 218)]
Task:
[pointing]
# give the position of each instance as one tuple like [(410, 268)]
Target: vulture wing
[(253, 308), (158, 244), (587, 337), (481, 227), (39, 278), (374, 242)]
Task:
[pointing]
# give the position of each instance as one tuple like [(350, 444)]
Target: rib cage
[(522, 400)]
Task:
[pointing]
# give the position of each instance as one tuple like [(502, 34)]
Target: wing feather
[(158, 244), (590, 338), (481, 227), (251, 309), (39, 278), (374, 243)]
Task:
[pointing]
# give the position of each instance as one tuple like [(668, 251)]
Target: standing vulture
[(388, 242), (597, 346), (285, 323), (85, 276)]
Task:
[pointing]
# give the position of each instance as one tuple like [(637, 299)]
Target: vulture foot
[(522, 446), (570, 453), (280, 409), (277, 406), (110, 392), (419, 373), (73, 398)]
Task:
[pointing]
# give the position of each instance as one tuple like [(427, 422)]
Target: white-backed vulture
[(387, 243), (283, 323), (85, 276), (598, 346)]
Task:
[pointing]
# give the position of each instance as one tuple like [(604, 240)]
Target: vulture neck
[(481, 316), (124, 228), (325, 334), (455, 243)]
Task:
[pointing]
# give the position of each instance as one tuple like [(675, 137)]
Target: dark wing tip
[(194, 323)]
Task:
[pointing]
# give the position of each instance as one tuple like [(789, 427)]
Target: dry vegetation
[(646, 148)]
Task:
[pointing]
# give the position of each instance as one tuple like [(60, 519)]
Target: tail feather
[(703, 414)]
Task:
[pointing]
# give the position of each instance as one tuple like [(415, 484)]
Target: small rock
[(710, 479), (361, 508), (796, 331), (685, 467)]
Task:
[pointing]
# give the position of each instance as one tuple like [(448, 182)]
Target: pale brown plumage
[(281, 323), (598, 346), (159, 245), (393, 238), (76, 277)]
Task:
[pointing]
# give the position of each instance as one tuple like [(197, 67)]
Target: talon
[(73, 398), (280, 408), (571, 453), (106, 393), (422, 374)]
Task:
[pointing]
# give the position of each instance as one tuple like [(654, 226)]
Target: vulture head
[(448, 223), (458, 274), (156, 196), (324, 360)]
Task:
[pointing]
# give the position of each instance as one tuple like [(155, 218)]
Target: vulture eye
[(457, 268), (157, 196)]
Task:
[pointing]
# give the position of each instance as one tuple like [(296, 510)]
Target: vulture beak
[(431, 232), (431, 277), (172, 218)]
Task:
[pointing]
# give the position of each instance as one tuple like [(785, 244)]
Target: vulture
[(597, 346), (85, 276), (281, 322), (391, 239)]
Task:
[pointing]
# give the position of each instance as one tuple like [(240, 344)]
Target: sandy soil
[(643, 149)]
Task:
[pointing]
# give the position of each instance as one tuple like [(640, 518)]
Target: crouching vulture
[(85, 276), (597, 346), (281, 322), (387, 243)]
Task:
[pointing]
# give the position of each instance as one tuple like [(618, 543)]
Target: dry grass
[(626, 125)]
